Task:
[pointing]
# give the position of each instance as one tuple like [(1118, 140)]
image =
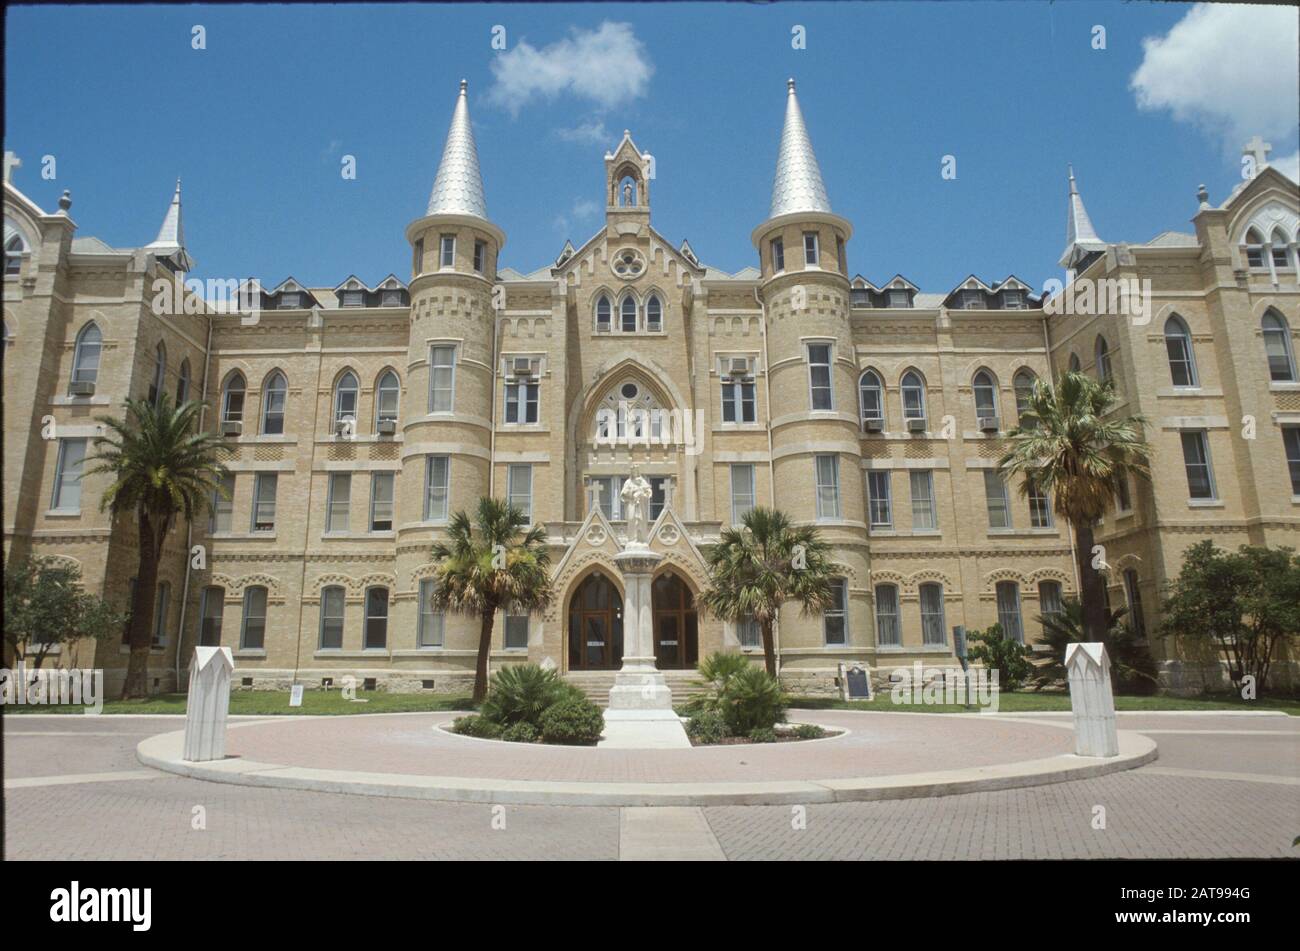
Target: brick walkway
[(1172, 809)]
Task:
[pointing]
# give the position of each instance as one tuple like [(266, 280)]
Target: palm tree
[(161, 469), (1067, 448), (1131, 660), (756, 568), (488, 563)]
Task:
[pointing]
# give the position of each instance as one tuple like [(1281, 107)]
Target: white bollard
[(1087, 668), (207, 704)]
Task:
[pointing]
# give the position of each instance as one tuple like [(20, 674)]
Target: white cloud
[(1231, 70), (1288, 165), (591, 131), (582, 210), (607, 65)]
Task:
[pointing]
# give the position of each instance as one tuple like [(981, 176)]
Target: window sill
[(273, 438), (63, 513), (384, 534), (1205, 503), (250, 653), (882, 531), (1283, 386), (1121, 516)]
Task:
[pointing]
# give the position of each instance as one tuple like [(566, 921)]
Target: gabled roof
[(1012, 283), (860, 283), (290, 285), (391, 283), (352, 283), (899, 283)]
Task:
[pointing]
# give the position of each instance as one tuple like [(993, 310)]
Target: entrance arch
[(596, 625), (676, 623)]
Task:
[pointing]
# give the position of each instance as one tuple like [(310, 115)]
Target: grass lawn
[(1047, 702), (276, 702)]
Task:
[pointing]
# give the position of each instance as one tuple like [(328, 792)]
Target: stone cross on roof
[(1258, 149), (12, 162)]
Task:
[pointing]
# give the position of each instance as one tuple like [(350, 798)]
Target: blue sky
[(257, 123)]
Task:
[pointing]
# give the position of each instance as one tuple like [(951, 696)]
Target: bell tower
[(627, 187)]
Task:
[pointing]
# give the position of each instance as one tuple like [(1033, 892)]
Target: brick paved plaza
[(1223, 787)]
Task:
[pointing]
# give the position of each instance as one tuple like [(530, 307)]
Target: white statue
[(636, 505)]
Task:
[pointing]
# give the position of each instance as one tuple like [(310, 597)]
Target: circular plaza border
[(371, 755)]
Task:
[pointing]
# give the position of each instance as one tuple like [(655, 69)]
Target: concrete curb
[(164, 752)]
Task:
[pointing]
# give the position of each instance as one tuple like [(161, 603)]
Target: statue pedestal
[(640, 713), (207, 704), (1088, 672)]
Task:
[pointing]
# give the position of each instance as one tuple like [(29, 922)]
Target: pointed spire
[(1080, 236), (171, 236), (798, 185), (458, 188)]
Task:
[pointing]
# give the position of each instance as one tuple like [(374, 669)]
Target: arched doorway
[(596, 625), (677, 628)]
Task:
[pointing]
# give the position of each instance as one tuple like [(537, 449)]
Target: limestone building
[(357, 417)]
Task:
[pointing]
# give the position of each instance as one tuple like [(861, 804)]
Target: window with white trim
[(222, 516), (1008, 598), (376, 623), (811, 249), (264, 486), (878, 500), (388, 395), (67, 475), (913, 390), (995, 496), (519, 488), (274, 395), (924, 516), (252, 634), (447, 254), (516, 631), (442, 379), (212, 609), (85, 358), (1277, 347), (346, 395), (933, 630), (1040, 506), (871, 397), (437, 481), (828, 486), (432, 623), (381, 501), (232, 401), (778, 255), (1178, 346), (821, 395), (332, 607), (1196, 460), (738, 403), (742, 492), (1291, 444), (887, 629), (604, 315), (523, 399), (835, 620)]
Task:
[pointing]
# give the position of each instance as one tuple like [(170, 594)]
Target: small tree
[(45, 608), (1007, 656), (1132, 665), (1246, 603)]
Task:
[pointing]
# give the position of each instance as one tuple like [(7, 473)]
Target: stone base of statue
[(1087, 669)]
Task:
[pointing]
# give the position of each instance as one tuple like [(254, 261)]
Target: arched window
[(183, 382), (871, 396), (887, 630), (603, 314), (345, 399), (15, 248), (159, 373), (986, 394), (1277, 347), (85, 359), (1101, 353), (1280, 257), (627, 320), (1254, 249), (252, 635), (388, 393), (274, 394), (211, 608), (1008, 597), (1074, 364), (376, 625), (933, 632), (1024, 387), (629, 190), (1178, 343), (913, 395), (654, 314), (232, 400), (331, 618)]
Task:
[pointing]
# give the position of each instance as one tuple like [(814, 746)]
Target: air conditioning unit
[(232, 427), (916, 425), (989, 424), (874, 425), (82, 388), (738, 366), (343, 426), (387, 427), (522, 366)]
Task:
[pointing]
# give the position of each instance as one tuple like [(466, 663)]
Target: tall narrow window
[(828, 486), (627, 315), (887, 630), (1133, 594), (447, 257), (1277, 347), (183, 382), (995, 495), (442, 379), (1050, 603), (1101, 356), (222, 518), (1074, 365), (376, 629), (273, 400), (933, 632), (924, 518), (388, 393), (1280, 261), (264, 486), (519, 488), (1254, 249), (654, 314), (232, 401), (159, 373), (913, 391), (603, 315), (1024, 386), (835, 621), (1178, 345), (1123, 499), (381, 502), (778, 255), (253, 632), (1008, 594), (331, 618), (819, 376), (480, 256), (522, 400), (15, 248), (85, 359), (811, 251), (437, 472), (345, 400), (748, 632), (742, 492), (516, 631), (161, 604), (738, 399), (871, 397), (879, 503), (417, 257), (1040, 506), (67, 475), (986, 395), (1291, 443), (338, 504), (212, 607), (430, 632), (1196, 459), (898, 299)]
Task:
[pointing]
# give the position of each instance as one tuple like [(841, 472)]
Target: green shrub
[(475, 725), (808, 731), (762, 734), (520, 693), (574, 721), (750, 699), (1008, 657), (521, 732), (721, 666), (707, 727), (694, 706)]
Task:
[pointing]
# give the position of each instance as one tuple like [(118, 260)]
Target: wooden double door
[(596, 624)]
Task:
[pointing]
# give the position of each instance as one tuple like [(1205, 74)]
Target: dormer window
[(480, 255), (972, 300), (778, 255), (860, 297), (811, 251), (392, 299), (290, 300), (1013, 300), (898, 299), (354, 298), (448, 255)]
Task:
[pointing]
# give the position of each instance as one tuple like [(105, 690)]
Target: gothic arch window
[(15, 248), (1074, 363), (604, 314), (1281, 256), (1277, 347), (1101, 355), (871, 397), (388, 393), (630, 411), (654, 314), (1255, 249), (346, 394), (159, 373), (274, 395), (1178, 345), (1023, 382), (183, 382), (913, 389), (232, 399), (85, 357), (985, 387), (627, 315)]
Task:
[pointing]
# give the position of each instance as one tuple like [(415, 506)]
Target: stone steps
[(595, 684)]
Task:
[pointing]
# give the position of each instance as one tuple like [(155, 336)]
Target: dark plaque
[(859, 684)]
